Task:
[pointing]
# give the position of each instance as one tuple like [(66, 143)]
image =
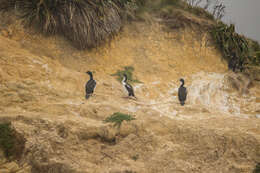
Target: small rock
[(107, 133), (258, 116), (95, 111), (126, 129), (106, 84), (24, 170), (4, 33), (12, 167), (2, 162), (204, 110), (4, 171)]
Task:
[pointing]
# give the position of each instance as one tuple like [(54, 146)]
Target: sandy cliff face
[(42, 93)]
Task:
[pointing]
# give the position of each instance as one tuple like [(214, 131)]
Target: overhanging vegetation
[(231, 43), (85, 23), (88, 23)]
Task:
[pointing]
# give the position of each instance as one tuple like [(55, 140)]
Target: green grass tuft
[(128, 70), (135, 157), (117, 118), (10, 141), (254, 52), (257, 168), (6, 138)]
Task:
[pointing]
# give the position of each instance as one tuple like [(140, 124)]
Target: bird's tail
[(182, 103), (132, 95), (87, 96)]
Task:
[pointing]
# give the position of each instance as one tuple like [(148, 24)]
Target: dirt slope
[(42, 93)]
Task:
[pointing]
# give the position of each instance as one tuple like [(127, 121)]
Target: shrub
[(128, 70), (230, 42), (254, 52), (135, 157), (117, 118), (257, 168), (85, 23), (11, 142)]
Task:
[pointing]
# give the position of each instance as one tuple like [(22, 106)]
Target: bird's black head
[(124, 77), (182, 81), (89, 72)]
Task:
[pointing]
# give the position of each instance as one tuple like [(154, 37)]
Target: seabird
[(182, 93), (90, 85), (128, 87), (232, 63), (241, 65)]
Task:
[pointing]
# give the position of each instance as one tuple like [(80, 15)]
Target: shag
[(233, 63), (241, 65), (128, 87), (182, 93), (90, 85)]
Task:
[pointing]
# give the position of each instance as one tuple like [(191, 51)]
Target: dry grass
[(84, 22), (87, 23)]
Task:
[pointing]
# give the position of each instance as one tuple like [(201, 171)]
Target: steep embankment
[(42, 94)]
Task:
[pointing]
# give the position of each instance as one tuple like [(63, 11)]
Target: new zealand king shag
[(182, 93), (233, 63), (236, 63), (128, 87), (90, 85)]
